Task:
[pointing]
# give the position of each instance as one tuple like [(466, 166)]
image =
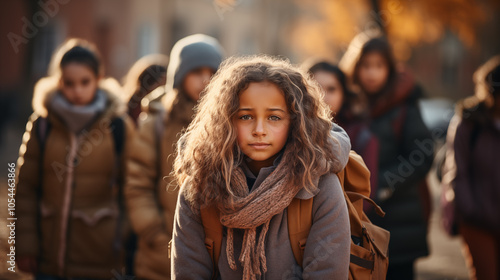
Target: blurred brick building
[(125, 30)]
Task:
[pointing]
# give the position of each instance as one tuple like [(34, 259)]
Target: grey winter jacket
[(327, 252)]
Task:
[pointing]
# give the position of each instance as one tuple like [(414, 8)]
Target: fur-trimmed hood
[(477, 106), (46, 89)]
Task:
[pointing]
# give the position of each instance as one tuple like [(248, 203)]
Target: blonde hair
[(483, 91), (208, 151), (478, 106)]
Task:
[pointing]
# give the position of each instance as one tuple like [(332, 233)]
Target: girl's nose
[(77, 92), (259, 129)]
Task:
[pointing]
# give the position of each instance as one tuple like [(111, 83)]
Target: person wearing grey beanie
[(190, 53), (151, 200)]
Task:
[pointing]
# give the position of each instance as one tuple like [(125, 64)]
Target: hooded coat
[(68, 207), (470, 172), (405, 155), (406, 152), (150, 192)]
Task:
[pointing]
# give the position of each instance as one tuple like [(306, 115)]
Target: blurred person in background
[(347, 113), (147, 74), (69, 196), (151, 202), (471, 168), (405, 150)]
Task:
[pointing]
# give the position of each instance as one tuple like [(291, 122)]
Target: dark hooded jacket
[(405, 155), (472, 152), (406, 151)]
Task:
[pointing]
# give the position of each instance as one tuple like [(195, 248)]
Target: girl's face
[(78, 83), (196, 80), (262, 124), (334, 94), (373, 72)]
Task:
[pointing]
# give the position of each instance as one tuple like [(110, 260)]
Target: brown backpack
[(369, 243)]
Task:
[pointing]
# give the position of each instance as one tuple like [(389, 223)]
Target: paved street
[(446, 261)]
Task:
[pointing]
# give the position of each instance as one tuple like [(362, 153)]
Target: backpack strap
[(117, 128), (299, 215), (42, 128), (213, 235)]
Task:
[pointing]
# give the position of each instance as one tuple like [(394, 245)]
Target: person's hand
[(27, 264)]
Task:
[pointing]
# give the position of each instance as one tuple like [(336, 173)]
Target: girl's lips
[(259, 146)]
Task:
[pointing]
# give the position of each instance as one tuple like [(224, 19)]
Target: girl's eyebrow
[(269, 109), (276, 109)]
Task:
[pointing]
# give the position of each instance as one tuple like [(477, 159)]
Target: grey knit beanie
[(189, 53)]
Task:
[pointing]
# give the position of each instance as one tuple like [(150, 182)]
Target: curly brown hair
[(208, 153)]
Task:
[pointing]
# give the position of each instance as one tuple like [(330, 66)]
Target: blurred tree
[(326, 27), (330, 25)]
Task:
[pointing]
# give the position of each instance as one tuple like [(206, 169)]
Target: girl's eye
[(274, 118), (85, 82), (68, 83), (245, 117)]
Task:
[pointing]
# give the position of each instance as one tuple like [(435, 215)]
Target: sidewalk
[(445, 261)]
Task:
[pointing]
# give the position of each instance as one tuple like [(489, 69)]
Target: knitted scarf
[(249, 210), (77, 118)]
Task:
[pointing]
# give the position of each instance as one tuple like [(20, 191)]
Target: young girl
[(405, 150), (70, 220), (151, 206), (346, 112), (333, 82), (260, 138)]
